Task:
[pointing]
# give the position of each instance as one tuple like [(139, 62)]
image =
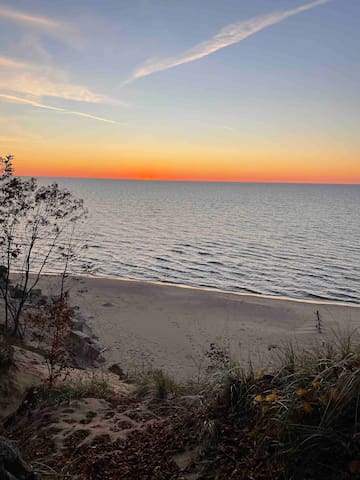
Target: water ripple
[(299, 241)]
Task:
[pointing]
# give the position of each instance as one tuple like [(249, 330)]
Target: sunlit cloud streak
[(229, 35), (65, 31), (38, 86), (46, 81), (25, 101), (11, 63), (25, 18), (37, 81)]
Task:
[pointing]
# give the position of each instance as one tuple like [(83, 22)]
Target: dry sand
[(147, 325)]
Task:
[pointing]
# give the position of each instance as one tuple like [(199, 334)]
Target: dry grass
[(74, 390), (158, 385), (302, 422)]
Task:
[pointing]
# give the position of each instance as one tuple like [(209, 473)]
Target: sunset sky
[(230, 90)]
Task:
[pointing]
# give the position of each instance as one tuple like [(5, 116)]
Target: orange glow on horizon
[(193, 165), (188, 175)]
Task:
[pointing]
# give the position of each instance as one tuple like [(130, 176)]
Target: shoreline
[(146, 325), (211, 289)]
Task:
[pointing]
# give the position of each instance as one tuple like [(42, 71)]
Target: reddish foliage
[(54, 324)]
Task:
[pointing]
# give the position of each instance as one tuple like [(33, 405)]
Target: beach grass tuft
[(157, 384), (68, 391), (301, 420)]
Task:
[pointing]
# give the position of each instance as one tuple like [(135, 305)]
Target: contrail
[(227, 36), (12, 98)]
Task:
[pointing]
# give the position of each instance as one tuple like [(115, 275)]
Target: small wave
[(316, 296), (162, 233), (161, 259), (245, 290)]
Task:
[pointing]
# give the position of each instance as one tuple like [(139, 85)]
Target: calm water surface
[(300, 241)]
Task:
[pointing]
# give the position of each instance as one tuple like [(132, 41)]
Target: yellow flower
[(271, 397), (306, 407), (259, 398), (301, 392)]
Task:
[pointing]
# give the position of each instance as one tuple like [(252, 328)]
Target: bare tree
[(37, 224)]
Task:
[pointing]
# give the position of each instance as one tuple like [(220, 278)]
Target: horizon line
[(275, 182)]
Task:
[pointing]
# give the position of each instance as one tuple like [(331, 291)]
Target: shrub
[(53, 323), (37, 224), (303, 422)]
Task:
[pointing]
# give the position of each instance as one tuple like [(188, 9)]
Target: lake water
[(300, 241)]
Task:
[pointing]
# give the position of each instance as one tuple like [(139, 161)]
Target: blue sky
[(70, 69)]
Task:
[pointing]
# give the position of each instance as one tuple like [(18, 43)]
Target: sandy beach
[(146, 325)]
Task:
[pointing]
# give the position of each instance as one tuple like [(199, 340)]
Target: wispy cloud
[(28, 83), (227, 36), (36, 82), (65, 31), (25, 101), (45, 81), (26, 18), (11, 63)]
